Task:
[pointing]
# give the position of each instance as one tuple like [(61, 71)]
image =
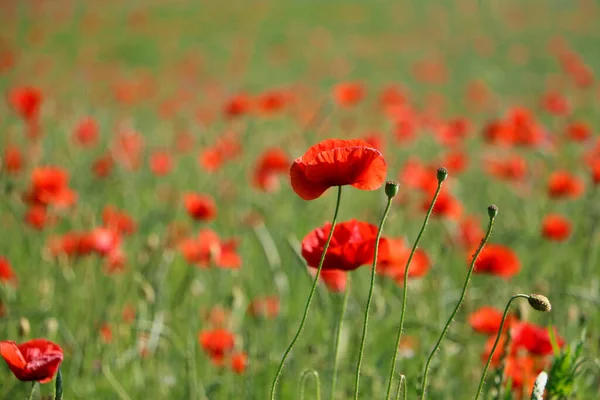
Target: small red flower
[(239, 361), (337, 162), (556, 227), (161, 163), (35, 360), (351, 246), (336, 280), (513, 168), (271, 163), (486, 320), (596, 172), (535, 339), (85, 133), (499, 260), (37, 217), (103, 166), (579, 131), (217, 343), (238, 105), (12, 159), (200, 207), (7, 275), (470, 232), (446, 206), (563, 185), (392, 259), (49, 186), (266, 307), (348, 94), (26, 101), (118, 221), (555, 103)]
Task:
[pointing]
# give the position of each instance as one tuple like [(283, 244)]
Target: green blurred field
[(196, 54)]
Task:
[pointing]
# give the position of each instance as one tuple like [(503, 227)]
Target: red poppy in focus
[(7, 275), (266, 307), (35, 360), (393, 256), (535, 339), (200, 207), (486, 320), (351, 246), (161, 163), (499, 260), (563, 185), (118, 220), (446, 206), (336, 280), (348, 94), (336, 162), (86, 132), (556, 227), (239, 361), (271, 163), (579, 131), (217, 343), (26, 101), (12, 159), (238, 105)]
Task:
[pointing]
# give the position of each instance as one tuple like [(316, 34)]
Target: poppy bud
[(391, 189), (442, 174), (539, 302), (493, 211), (24, 327)]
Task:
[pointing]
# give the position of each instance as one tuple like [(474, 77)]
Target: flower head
[(35, 360)]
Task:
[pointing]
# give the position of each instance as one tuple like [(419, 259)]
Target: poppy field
[(299, 200)]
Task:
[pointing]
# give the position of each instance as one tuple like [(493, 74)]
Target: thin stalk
[(489, 360), (368, 307), (310, 296), (303, 379), (337, 339), (402, 388), (492, 211), (405, 289), (32, 391)]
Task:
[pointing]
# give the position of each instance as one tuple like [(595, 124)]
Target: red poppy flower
[(102, 240), (217, 343), (7, 275), (271, 102), (335, 280), (200, 207), (106, 333), (239, 361), (446, 206), (115, 261), (499, 260), (415, 174), (596, 172), (453, 133), (228, 256), (118, 220), (86, 132), (470, 232), (555, 103), (35, 360), (513, 168), (579, 131), (13, 160), (37, 217), (556, 227), (239, 104), (486, 320), (336, 162), (26, 101), (375, 140), (535, 339), (266, 307), (208, 248), (127, 148), (161, 163), (351, 246), (271, 163), (103, 166), (405, 124), (455, 162), (348, 94), (49, 185), (128, 314), (211, 159), (393, 256), (563, 185)]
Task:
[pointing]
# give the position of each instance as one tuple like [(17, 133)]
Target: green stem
[(489, 360), (402, 388), (405, 289), (368, 308), (32, 391), (303, 379), (310, 296), (337, 339), (462, 297)]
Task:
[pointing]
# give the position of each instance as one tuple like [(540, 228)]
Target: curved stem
[(368, 308), (402, 387), (303, 379), (337, 339), (310, 296), (405, 289), (462, 297), (489, 360)]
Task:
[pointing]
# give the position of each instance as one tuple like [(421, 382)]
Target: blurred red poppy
[(596, 172), (239, 361), (446, 206), (208, 248), (103, 166), (351, 246), (12, 159), (556, 227), (393, 256), (237, 105), (161, 163), (7, 275), (200, 207), (512, 168), (499, 260), (415, 174), (470, 232), (337, 162), (26, 101), (49, 186), (486, 320), (37, 217), (35, 360), (563, 185), (265, 307), (118, 220), (335, 280), (271, 163), (578, 131), (217, 343), (556, 104), (271, 102), (348, 94), (85, 133), (535, 339)]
